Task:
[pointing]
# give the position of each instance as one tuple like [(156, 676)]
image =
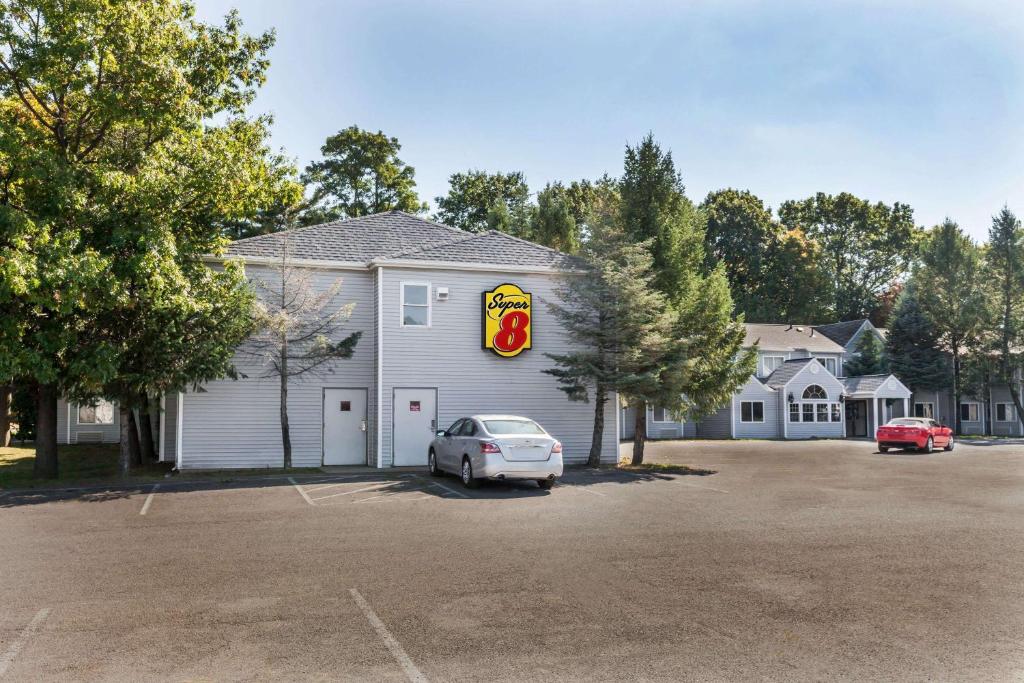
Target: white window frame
[(803, 394), (666, 415), (977, 410), (925, 403), (1008, 415), (401, 303), (799, 410), (764, 370), (752, 421), (78, 414), (825, 360)]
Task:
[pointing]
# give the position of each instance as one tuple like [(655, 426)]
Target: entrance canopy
[(875, 386), (873, 400)]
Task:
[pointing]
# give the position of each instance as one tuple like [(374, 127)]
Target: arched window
[(815, 393)]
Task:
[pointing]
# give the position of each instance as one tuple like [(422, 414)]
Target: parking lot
[(792, 561)]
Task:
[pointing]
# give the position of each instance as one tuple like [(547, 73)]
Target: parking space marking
[(149, 500), (301, 492), (583, 488), (8, 657), (372, 487), (439, 485), (698, 486), (411, 672)]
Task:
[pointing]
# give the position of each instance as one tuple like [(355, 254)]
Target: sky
[(916, 102)]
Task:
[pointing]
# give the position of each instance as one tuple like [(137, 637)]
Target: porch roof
[(875, 386)]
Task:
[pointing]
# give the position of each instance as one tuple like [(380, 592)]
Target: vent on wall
[(442, 294), (89, 437)]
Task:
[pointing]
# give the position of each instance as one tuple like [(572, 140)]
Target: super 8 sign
[(508, 318)]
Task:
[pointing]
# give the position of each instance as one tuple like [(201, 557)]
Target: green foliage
[(554, 224), (912, 346), (865, 247), (655, 209), (360, 174), (114, 184), (1004, 293), (479, 201), (870, 357)]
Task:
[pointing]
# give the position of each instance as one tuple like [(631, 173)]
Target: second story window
[(830, 365), (770, 364), (415, 304)]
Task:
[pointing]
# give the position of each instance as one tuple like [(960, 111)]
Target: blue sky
[(919, 102)]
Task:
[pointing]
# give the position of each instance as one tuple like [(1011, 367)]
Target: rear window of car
[(908, 423), (513, 427)]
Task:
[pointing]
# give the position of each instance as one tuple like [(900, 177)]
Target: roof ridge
[(431, 222), (289, 231), (432, 245)]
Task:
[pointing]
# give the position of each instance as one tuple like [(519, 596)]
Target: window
[(814, 392), (99, 413), (924, 410), (1004, 412), (794, 412), (969, 412), (660, 415), (822, 412), (808, 410), (468, 428), (770, 364), (837, 415), (752, 411), (415, 304), (454, 429), (513, 427), (830, 364)]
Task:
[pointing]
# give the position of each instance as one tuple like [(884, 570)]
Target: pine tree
[(870, 358), (1004, 269), (912, 346)]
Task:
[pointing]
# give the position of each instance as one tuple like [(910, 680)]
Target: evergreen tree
[(912, 346), (869, 359), (553, 223), (1004, 275)]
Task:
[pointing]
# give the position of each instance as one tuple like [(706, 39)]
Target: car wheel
[(883, 449), (432, 464), (467, 475), (928, 445), (949, 446), (546, 484)]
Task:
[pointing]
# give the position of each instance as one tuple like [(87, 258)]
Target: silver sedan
[(496, 447)]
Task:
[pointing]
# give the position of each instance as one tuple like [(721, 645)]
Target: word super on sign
[(507, 320)]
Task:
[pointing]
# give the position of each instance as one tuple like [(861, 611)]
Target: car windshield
[(908, 422), (513, 427)]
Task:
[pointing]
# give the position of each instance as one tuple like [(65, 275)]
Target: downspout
[(380, 367)]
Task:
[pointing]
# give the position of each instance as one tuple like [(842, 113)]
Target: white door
[(415, 422), (344, 426)]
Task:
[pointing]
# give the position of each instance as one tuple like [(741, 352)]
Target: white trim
[(785, 414), (320, 264), (324, 264), (970, 403), (751, 422), (177, 437), (78, 416), (380, 367), (924, 403), (1010, 410), (401, 303), (668, 417), (766, 356), (732, 417), (68, 425), (163, 426), (618, 425)]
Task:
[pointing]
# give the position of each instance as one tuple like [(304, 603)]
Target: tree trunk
[(286, 439), (957, 426), (129, 451), (639, 432), (5, 416), (146, 446), (600, 400), (1015, 395), (45, 465)]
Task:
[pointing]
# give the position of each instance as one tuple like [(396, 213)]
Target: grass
[(97, 463), (664, 468)]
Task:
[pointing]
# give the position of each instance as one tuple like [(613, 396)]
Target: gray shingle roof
[(786, 372), (868, 384), (840, 333), (789, 338), (396, 235)]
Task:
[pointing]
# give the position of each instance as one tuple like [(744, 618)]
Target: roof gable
[(791, 369), (399, 237), (844, 332)]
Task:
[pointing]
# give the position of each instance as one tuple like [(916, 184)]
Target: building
[(431, 303)]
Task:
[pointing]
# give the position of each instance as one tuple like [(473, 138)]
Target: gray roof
[(786, 372), (789, 338), (398, 236), (841, 333), (865, 384)]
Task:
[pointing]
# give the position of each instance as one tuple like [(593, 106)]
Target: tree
[(865, 247), (619, 317), (298, 330), (1004, 275), (950, 293), (476, 198), (123, 153), (912, 345), (6, 398), (655, 210), (360, 174), (869, 358), (554, 224), (795, 288)]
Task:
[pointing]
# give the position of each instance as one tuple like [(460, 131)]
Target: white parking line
[(411, 672), (586, 490), (348, 493), (303, 493), (439, 485), (698, 486), (149, 500), (19, 642)]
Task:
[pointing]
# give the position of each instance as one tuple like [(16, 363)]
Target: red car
[(921, 433)]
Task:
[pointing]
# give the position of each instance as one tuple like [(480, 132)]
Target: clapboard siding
[(813, 374), (236, 423), (754, 390), (67, 415), (717, 425), (1010, 427), (449, 355)]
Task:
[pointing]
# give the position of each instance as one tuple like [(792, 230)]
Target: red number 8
[(511, 331)]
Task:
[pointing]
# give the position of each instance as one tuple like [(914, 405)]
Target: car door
[(467, 442), (447, 445), (940, 434)]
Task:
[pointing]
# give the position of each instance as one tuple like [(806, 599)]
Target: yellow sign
[(507, 320)]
